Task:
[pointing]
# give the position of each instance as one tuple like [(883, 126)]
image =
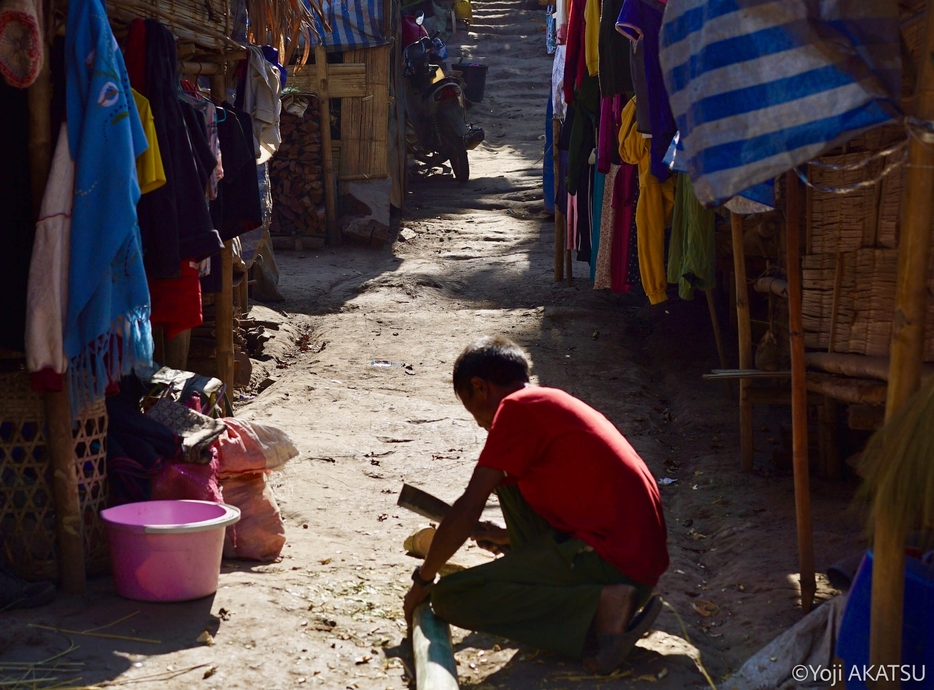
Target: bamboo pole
[(39, 100), (835, 308), (223, 305), (327, 159), (559, 216), (196, 68), (831, 465), (809, 220), (715, 323), (68, 522), (244, 297), (435, 668), (744, 329), (799, 395), (223, 317), (560, 240), (888, 579)]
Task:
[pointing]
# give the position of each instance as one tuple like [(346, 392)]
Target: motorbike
[(434, 103)]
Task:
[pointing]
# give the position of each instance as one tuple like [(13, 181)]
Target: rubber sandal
[(615, 648)]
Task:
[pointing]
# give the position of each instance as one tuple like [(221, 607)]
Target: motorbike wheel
[(460, 164)]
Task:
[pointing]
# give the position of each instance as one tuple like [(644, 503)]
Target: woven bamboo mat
[(862, 218)]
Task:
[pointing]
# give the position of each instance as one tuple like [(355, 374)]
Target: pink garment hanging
[(574, 58), (624, 200), (611, 110), (603, 274), (571, 232)]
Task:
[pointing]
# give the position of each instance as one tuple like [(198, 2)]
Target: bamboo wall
[(365, 121)]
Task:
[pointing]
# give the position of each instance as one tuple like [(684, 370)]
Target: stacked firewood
[(297, 178)]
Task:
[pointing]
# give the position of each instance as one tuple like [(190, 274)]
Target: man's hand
[(453, 532), (491, 537), (415, 596)]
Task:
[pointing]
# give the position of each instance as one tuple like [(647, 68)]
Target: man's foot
[(616, 644), (616, 608)]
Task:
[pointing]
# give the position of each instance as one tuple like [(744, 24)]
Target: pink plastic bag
[(239, 450), (180, 481), (260, 534)]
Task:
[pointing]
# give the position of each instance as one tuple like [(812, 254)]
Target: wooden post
[(829, 440), (799, 395), (327, 158), (835, 308), (715, 323), (888, 576), (559, 217), (223, 320), (244, 298), (560, 241), (435, 668), (744, 328), (68, 522), (223, 305), (39, 100)]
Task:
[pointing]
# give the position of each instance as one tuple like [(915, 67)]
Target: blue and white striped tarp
[(760, 86), (762, 193), (354, 24)]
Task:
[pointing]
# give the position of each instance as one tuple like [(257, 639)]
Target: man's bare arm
[(459, 524)]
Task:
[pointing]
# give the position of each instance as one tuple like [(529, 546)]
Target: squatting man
[(585, 531)]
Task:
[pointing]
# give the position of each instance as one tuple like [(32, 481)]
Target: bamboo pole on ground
[(744, 328), (799, 396), (68, 522), (435, 668), (888, 579), (223, 305), (559, 216), (327, 158)]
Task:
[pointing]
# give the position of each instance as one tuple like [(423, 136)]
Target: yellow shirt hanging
[(653, 212), (149, 170), (592, 36)]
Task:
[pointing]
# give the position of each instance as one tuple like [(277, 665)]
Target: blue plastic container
[(917, 631)]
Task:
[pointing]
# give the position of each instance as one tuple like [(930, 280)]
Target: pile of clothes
[(169, 447)]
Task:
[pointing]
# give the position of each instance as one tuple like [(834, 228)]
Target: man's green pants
[(543, 593)]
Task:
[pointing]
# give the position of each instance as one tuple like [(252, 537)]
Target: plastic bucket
[(167, 550), (474, 80), (917, 627)]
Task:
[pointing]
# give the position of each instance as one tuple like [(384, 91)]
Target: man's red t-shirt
[(579, 473)]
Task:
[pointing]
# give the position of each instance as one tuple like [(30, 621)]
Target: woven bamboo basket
[(27, 506)]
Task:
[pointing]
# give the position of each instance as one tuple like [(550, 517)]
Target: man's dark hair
[(492, 358)]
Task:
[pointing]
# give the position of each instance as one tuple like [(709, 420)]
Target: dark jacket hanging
[(17, 225), (174, 220)]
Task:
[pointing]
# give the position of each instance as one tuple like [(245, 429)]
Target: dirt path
[(329, 614)]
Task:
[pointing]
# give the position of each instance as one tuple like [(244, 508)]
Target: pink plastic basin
[(167, 550)]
